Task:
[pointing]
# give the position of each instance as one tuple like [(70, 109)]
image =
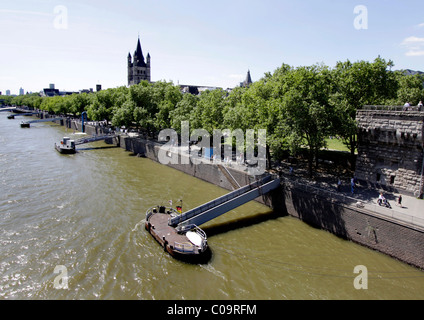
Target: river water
[(72, 227)]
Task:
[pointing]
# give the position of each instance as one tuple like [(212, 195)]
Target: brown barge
[(188, 244)]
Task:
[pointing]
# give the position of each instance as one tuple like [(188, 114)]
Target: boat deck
[(176, 243), (163, 232)]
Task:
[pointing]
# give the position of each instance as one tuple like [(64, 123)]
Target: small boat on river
[(188, 243), (66, 146)]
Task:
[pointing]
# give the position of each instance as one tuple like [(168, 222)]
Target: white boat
[(66, 146)]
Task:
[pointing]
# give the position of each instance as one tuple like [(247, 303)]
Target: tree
[(355, 85), (165, 96), (105, 102), (208, 113), (78, 103), (410, 88), (183, 111), (305, 110)]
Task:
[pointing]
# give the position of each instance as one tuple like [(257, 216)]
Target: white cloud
[(415, 46), (413, 40), (421, 25), (415, 53)]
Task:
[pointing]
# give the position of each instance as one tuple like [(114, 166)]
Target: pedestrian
[(339, 185), (406, 106), (420, 106), (381, 199), (400, 201)]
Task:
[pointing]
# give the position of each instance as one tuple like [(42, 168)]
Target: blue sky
[(78, 44)]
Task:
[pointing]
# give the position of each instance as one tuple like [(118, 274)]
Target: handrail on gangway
[(221, 205), (25, 114), (43, 120), (8, 109), (95, 138)]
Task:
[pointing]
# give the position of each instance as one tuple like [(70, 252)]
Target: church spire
[(248, 81), (138, 55)]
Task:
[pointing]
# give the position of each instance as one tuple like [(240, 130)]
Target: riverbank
[(354, 218), (398, 233)]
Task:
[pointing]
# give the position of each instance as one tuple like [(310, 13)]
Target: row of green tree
[(298, 106)]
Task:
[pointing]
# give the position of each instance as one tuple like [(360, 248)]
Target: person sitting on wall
[(420, 106), (406, 106)]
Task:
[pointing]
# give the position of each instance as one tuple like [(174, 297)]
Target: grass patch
[(336, 144)]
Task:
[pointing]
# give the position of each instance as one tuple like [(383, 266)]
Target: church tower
[(138, 69), (248, 81)]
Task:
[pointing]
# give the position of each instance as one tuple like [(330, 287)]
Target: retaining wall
[(399, 240)]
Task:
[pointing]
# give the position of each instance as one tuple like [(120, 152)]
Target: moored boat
[(66, 146), (187, 244)]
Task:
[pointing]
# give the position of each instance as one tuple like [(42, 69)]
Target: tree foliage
[(299, 107)]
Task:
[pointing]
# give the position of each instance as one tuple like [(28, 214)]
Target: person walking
[(400, 201)]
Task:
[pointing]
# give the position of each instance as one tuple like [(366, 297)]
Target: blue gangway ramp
[(95, 138), (228, 202), (27, 123)]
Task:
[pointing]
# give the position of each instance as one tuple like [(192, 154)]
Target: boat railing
[(189, 247), (194, 228), (184, 247), (161, 209)]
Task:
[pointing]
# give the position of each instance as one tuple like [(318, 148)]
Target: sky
[(79, 44)]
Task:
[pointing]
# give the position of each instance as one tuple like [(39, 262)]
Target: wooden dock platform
[(177, 244)]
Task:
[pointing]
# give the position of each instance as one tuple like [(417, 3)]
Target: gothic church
[(138, 68)]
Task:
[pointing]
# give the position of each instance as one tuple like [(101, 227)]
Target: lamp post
[(82, 120)]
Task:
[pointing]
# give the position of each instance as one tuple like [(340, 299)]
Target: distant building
[(7, 92), (21, 92), (86, 90), (98, 87), (138, 68), (50, 92), (248, 81)]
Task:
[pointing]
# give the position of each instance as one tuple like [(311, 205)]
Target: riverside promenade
[(410, 212)]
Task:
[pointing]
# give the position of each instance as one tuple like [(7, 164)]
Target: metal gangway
[(95, 138), (26, 124), (221, 205), (8, 109), (22, 114)]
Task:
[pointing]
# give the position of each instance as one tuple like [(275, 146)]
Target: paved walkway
[(411, 211)]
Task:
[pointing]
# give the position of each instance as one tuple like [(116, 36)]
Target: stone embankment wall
[(390, 153), (397, 239), (340, 217)]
